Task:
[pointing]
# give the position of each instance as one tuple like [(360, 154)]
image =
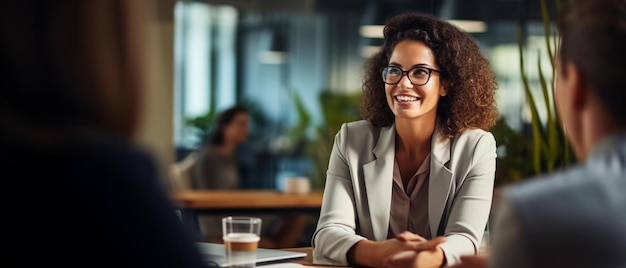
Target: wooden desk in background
[(246, 201)]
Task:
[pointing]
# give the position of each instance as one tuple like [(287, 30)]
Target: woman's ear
[(444, 86), (443, 90)]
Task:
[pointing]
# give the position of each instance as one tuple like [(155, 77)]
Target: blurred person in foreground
[(72, 76), (416, 175), (576, 217), (218, 167)]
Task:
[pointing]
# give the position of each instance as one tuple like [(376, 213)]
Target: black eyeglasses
[(418, 75)]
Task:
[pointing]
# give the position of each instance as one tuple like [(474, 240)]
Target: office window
[(205, 64)]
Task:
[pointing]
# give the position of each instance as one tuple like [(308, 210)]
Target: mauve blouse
[(409, 207)]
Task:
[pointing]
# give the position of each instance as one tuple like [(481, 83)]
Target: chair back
[(180, 172)]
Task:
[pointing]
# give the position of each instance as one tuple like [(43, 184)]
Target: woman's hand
[(373, 254), (408, 236), (425, 253)]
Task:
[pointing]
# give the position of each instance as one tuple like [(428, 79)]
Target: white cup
[(241, 237), (297, 185)]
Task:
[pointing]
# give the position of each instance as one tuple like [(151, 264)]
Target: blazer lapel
[(378, 177), (440, 180)]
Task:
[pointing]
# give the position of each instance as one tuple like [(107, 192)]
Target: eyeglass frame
[(430, 71)]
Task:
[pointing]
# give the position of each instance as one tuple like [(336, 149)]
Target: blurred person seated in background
[(217, 167), (576, 217), (72, 77)]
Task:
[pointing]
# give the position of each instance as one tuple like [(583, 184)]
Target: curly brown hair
[(466, 74)]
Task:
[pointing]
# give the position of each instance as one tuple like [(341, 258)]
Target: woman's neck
[(414, 136)]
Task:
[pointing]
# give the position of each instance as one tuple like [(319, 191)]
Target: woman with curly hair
[(414, 179)]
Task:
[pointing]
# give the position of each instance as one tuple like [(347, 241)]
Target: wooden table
[(308, 260), (246, 201)]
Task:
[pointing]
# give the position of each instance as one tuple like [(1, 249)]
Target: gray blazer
[(357, 194), (572, 218)]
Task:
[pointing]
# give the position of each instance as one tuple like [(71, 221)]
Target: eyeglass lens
[(417, 75)]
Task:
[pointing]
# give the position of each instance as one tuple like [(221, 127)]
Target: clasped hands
[(416, 252), (424, 254), (407, 250)]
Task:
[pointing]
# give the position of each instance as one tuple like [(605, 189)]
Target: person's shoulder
[(474, 140), (361, 133), (580, 203), (111, 161), (358, 128), (603, 171), (359, 125), (573, 190), (97, 155), (545, 184), (208, 151), (475, 134), (569, 179), (361, 128)]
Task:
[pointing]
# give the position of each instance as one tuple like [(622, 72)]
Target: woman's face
[(405, 99), (237, 130)]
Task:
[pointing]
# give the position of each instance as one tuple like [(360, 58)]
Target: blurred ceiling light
[(372, 31), (278, 52), (273, 57), (470, 26)]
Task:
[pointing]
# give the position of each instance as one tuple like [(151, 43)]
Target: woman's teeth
[(406, 98)]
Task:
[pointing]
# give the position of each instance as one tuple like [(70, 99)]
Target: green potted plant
[(337, 108), (546, 149)]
